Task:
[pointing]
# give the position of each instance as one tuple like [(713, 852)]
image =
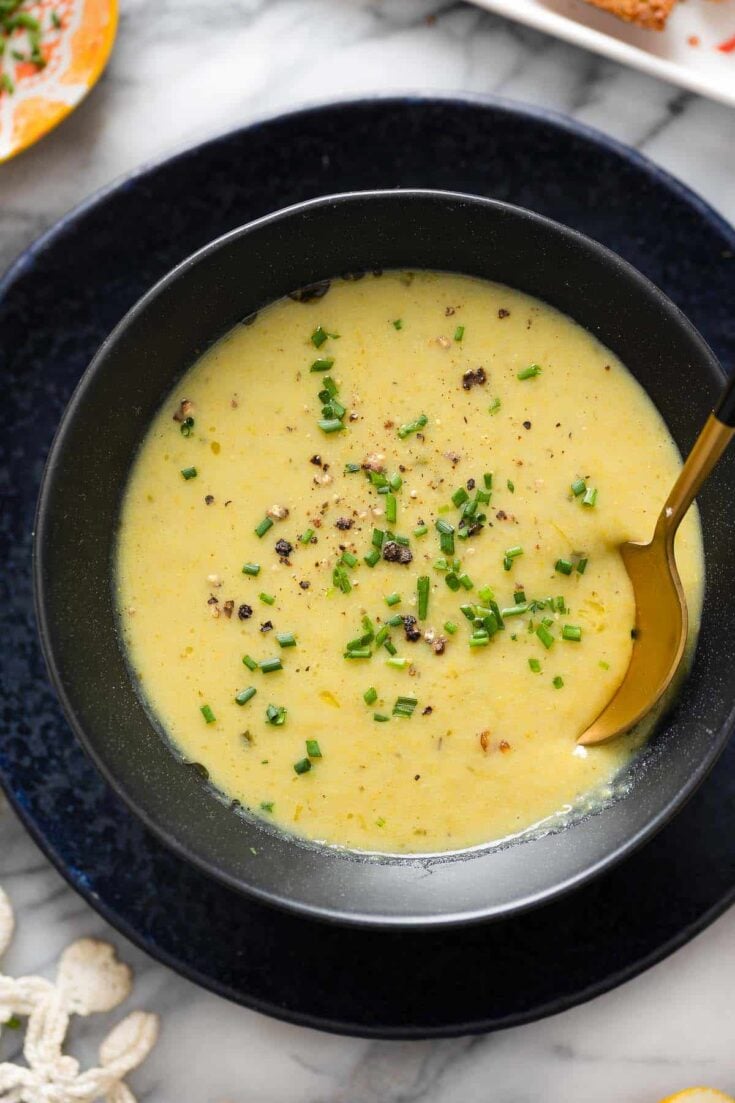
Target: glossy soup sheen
[(452, 391)]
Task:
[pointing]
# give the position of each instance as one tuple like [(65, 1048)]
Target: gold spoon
[(661, 620)]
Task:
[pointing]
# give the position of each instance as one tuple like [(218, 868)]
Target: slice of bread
[(651, 14)]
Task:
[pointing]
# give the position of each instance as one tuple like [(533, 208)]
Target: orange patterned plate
[(70, 42)]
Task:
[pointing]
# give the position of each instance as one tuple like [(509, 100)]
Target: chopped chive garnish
[(412, 426), (460, 496), (545, 636), (530, 372), (397, 323), (392, 599), (571, 632), (349, 559), (189, 472), (404, 706), (558, 682), (514, 552), (535, 666), (487, 478), (395, 620), (468, 611), (286, 639), (352, 468), (305, 537), (330, 387), (511, 485), (479, 639), (341, 579), (421, 530), (466, 581), (381, 636), (370, 696), (251, 569), (313, 749), (268, 666), (302, 766), (397, 662), (563, 566), (590, 496), (208, 714), (422, 589), (358, 653), (330, 424), (507, 563), (378, 538), (324, 363), (450, 627), (459, 333), (482, 497), (249, 663), (578, 487), (395, 481), (391, 508), (319, 336), (515, 610), (266, 805), (496, 613), (485, 594), (494, 406), (452, 581), (380, 718), (582, 566), (262, 528), (603, 665), (388, 645), (377, 478), (444, 526), (275, 715), (186, 426), (560, 605), (372, 557), (267, 599), (245, 695), (520, 597)]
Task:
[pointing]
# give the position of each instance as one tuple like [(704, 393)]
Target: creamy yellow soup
[(296, 618)]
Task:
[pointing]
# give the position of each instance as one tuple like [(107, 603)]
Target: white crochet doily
[(89, 979)]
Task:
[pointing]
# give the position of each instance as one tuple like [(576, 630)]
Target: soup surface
[(367, 570)]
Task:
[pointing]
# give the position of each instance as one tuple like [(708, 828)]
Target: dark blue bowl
[(104, 425)]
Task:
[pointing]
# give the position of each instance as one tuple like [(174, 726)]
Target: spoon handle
[(709, 446)]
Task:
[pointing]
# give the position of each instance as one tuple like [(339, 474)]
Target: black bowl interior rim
[(346, 902)]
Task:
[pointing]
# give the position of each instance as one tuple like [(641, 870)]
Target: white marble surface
[(182, 70)]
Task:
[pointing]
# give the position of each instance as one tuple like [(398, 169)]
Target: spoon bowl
[(661, 618)]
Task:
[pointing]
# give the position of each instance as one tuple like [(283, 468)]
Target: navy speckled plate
[(56, 305)]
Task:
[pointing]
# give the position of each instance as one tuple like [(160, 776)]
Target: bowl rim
[(181, 849)]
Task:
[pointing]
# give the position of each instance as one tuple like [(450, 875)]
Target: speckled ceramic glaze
[(61, 300)]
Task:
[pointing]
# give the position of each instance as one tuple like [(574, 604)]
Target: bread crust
[(651, 14)]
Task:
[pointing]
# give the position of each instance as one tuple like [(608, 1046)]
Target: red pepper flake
[(728, 46), (485, 740), (694, 40)]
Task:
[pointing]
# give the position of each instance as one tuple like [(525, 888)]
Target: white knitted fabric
[(89, 979)]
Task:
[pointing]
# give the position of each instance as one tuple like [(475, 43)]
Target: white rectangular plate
[(668, 54)]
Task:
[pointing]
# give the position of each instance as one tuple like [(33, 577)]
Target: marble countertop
[(182, 70)]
